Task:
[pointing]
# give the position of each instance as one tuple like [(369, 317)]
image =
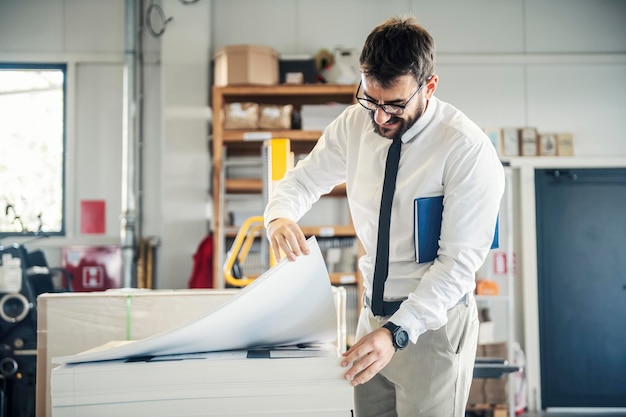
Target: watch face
[(402, 338)]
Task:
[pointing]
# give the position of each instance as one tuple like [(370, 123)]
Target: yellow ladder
[(277, 160)]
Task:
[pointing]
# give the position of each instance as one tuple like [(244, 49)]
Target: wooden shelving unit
[(293, 135), (255, 185), (229, 143)]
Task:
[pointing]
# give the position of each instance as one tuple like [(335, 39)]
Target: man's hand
[(286, 235), (368, 356)]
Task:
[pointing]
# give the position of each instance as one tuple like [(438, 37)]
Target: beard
[(405, 124)]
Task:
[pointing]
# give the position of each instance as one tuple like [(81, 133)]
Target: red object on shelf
[(93, 268)]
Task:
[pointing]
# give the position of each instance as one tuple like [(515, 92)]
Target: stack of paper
[(235, 383), (231, 361), (318, 116)]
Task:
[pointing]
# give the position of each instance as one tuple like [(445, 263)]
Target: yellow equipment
[(250, 230), (278, 160)]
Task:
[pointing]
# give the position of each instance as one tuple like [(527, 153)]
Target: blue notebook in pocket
[(428, 214)]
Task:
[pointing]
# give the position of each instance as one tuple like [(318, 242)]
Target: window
[(32, 149)]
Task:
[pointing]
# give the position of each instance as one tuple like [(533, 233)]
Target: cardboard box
[(528, 141), (490, 391), (477, 392), (69, 323), (496, 391), (547, 144), (565, 144), (477, 389), (511, 141), (496, 350), (245, 65)]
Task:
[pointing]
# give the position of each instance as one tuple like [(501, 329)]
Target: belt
[(390, 307)]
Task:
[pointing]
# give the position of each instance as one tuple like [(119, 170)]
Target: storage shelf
[(233, 143), (565, 161), (335, 230), (324, 90), (243, 185), (238, 135), (491, 297), (255, 186), (321, 231), (336, 278), (343, 278)]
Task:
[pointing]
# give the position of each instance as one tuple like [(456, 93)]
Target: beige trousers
[(430, 378)]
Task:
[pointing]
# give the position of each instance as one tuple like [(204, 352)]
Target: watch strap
[(395, 329)]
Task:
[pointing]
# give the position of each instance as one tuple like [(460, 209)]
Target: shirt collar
[(421, 123)]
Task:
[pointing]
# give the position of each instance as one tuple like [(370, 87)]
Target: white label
[(327, 231), (93, 277), (347, 279), (257, 136), (10, 279)]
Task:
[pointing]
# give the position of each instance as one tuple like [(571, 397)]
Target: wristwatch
[(399, 336)]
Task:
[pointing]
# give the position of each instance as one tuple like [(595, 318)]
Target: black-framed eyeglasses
[(394, 109)]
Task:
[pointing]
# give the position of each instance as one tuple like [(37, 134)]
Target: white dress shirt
[(443, 153)]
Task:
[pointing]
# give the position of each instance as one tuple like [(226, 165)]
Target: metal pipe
[(140, 119), (129, 140)]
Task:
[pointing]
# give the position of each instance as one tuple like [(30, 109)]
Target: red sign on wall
[(92, 217), (499, 263)]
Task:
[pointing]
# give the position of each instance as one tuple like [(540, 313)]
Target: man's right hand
[(285, 235)]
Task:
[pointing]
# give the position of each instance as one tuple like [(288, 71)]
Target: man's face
[(404, 92)]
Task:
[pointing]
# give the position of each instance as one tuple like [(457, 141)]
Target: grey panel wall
[(97, 155), (575, 26), (502, 62), (477, 27)]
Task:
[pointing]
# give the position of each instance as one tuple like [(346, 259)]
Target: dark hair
[(397, 47)]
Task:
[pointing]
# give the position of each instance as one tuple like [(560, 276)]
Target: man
[(414, 356)]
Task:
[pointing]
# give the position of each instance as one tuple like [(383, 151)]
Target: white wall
[(557, 65), (88, 35), (184, 176)]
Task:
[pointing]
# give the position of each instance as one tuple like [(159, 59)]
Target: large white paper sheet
[(292, 303)]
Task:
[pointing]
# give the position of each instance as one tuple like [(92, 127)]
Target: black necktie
[(381, 268)]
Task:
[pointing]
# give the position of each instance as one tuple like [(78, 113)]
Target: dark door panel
[(581, 245)]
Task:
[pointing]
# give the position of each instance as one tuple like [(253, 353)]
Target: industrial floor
[(554, 414), (545, 414)]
